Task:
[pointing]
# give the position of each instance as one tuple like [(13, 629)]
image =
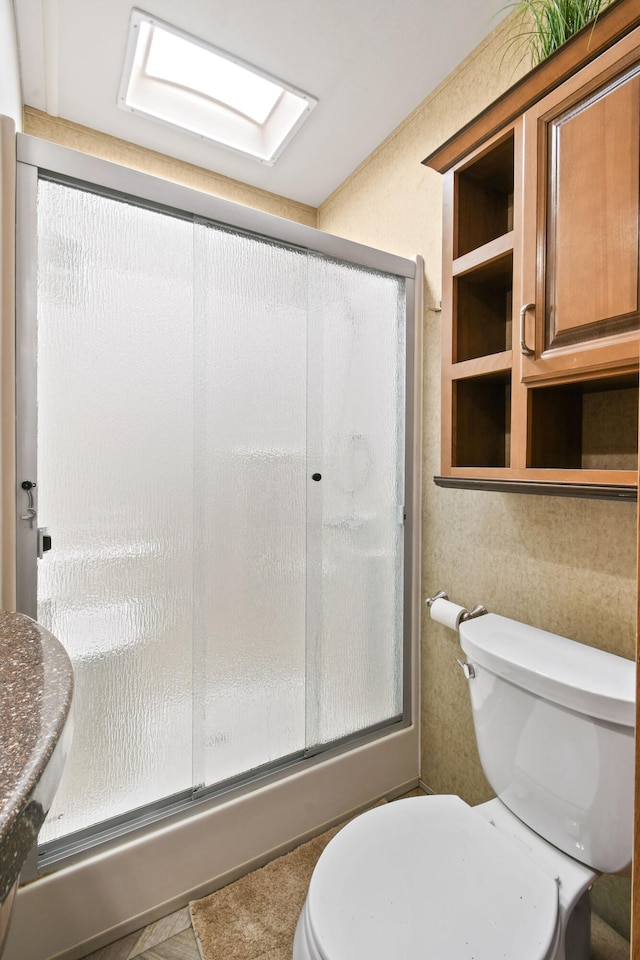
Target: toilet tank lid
[(571, 674)]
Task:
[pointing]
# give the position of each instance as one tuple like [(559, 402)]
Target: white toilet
[(431, 877)]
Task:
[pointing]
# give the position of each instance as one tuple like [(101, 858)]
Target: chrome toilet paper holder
[(478, 611)]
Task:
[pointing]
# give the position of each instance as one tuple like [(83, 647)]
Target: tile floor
[(171, 938)]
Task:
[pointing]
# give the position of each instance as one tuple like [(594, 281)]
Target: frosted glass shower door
[(220, 461), (251, 329), (355, 499), (115, 488)]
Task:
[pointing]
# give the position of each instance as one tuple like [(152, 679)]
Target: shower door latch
[(44, 541), (31, 514)]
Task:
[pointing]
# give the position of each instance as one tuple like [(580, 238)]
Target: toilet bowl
[(432, 877)]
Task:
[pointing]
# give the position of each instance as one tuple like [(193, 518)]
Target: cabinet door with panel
[(581, 308)]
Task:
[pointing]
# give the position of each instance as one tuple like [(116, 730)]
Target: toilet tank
[(555, 723)]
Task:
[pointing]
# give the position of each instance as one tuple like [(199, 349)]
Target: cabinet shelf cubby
[(482, 419), (484, 198), (482, 309), (587, 425)]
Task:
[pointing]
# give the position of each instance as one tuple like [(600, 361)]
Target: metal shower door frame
[(37, 157)]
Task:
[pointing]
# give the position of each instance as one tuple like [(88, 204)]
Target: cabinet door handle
[(524, 349)]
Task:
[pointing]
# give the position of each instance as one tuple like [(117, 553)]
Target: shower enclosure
[(212, 416)]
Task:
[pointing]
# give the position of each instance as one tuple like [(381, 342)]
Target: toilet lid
[(426, 877)]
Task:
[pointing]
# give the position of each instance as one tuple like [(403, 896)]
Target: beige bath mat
[(255, 917)]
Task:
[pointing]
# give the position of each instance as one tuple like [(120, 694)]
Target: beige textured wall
[(76, 137), (565, 565)]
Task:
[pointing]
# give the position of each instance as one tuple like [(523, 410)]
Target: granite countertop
[(36, 686)]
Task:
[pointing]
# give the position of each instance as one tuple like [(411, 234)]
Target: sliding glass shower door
[(115, 441), (355, 514), (250, 464), (221, 467)]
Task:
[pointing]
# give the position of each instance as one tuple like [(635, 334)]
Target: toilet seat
[(427, 877)]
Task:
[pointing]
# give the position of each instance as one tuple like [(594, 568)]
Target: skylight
[(187, 83)]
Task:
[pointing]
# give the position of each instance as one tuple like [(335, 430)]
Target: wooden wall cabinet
[(541, 293)]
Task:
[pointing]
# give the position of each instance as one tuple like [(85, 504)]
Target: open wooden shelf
[(483, 308), (484, 198), (587, 425)]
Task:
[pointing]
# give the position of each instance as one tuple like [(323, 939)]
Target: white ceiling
[(369, 63)]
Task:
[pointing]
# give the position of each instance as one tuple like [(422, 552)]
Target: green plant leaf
[(549, 23)]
